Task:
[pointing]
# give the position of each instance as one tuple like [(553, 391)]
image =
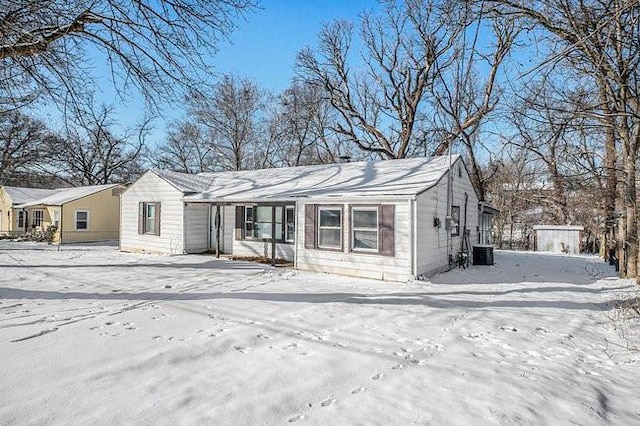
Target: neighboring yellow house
[(83, 214), (14, 221)]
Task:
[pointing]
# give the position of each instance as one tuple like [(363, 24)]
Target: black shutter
[(157, 218), (140, 218), (310, 226), (386, 227), (239, 223)]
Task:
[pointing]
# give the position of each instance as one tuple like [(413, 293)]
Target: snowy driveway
[(89, 335)]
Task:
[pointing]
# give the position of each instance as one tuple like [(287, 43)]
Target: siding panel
[(151, 188)]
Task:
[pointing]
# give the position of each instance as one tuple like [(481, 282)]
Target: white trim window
[(248, 222), (81, 219), (290, 226), (364, 229), (38, 218), (56, 218), (330, 227), (21, 219)]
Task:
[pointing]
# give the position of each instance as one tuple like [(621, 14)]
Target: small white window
[(364, 228), (82, 220), (290, 224), (38, 218), (56, 218), (248, 222), (150, 218), (330, 227)]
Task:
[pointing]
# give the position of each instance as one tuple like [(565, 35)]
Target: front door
[(216, 228)]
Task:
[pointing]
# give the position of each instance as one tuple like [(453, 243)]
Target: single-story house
[(13, 220), (392, 220), (82, 214)]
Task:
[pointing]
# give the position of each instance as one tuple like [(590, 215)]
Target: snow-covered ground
[(89, 335)]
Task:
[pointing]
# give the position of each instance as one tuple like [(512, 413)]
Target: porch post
[(273, 235), (217, 231)]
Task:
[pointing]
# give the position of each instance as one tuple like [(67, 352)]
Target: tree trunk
[(630, 242)]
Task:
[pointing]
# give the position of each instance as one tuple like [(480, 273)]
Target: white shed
[(558, 238), (392, 220)]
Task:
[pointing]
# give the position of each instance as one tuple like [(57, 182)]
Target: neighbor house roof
[(405, 177), (64, 196), (24, 195)]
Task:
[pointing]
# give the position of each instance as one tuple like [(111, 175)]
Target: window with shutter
[(364, 229), (149, 218)]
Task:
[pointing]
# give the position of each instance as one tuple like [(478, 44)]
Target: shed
[(558, 238), (393, 220)]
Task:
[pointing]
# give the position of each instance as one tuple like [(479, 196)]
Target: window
[(38, 217), (364, 228), (149, 218), (256, 222), (262, 222), (21, 219), (56, 218), (290, 224), (330, 227), (455, 221), (248, 222), (82, 220)]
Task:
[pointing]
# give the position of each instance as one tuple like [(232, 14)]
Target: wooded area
[(541, 97)]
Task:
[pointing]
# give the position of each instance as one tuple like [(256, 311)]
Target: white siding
[(151, 188), (260, 248), (196, 228), (392, 268), (434, 244)]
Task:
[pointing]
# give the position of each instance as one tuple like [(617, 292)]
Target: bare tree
[(411, 54), (23, 140), (90, 153), (299, 128), (158, 47), (233, 113), (601, 40), (187, 149)]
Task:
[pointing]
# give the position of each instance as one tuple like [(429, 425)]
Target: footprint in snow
[(328, 401), (397, 367), (296, 418), (241, 349), (377, 376), (358, 390)]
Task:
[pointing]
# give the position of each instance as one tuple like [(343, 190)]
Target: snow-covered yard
[(89, 335)]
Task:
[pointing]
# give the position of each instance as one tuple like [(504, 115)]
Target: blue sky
[(263, 47)]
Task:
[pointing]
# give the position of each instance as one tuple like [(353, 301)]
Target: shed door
[(213, 242)]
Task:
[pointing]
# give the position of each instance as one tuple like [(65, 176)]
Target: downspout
[(218, 221), (60, 230), (295, 235), (273, 235), (413, 209)]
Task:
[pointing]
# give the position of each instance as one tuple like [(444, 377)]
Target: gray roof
[(185, 182), (405, 177), (25, 195), (64, 196)]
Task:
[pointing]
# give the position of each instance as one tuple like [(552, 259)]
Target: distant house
[(82, 214), (14, 220), (392, 220)]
